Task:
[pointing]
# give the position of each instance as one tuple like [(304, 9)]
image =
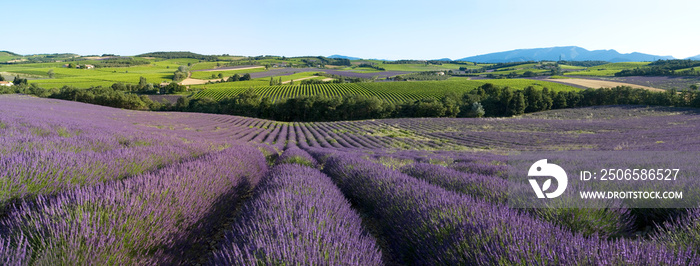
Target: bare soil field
[(594, 84), (191, 81)]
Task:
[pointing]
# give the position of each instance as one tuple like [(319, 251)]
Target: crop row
[(158, 217), (298, 217), (276, 93), (394, 92), (425, 224), (43, 153)]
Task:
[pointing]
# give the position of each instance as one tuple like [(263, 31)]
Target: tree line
[(673, 67), (487, 100)]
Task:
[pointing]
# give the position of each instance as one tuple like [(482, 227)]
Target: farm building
[(6, 83)]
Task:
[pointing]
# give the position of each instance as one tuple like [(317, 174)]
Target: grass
[(607, 69), (258, 82), (571, 67), (225, 73), (524, 83)]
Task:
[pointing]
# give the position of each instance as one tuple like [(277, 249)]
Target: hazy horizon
[(366, 29)]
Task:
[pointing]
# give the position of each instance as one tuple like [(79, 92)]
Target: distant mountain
[(443, 59), (697, 57), (570, 53), (335, 56)]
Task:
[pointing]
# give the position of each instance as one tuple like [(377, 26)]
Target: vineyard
[(395, 92), (132, 188)]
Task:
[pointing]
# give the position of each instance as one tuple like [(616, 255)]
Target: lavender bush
[(299, 217), (152, 218), (294, 155), (425, 224)]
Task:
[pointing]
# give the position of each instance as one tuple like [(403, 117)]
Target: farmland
[(365, 186), (390, 184), (607, 69), (205, 73), (394, 92)]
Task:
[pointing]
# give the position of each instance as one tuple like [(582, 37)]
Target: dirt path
[(594, 84), (295, 80)]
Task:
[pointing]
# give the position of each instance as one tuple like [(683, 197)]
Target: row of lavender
[(406, 209), (599, 128), (163, 217), (427, 224), (297, 217), (43, 152)]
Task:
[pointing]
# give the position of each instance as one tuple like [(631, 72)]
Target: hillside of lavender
[(82, 184)]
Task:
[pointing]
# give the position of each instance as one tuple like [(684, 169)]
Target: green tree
[(505, 98), (234, 78), (517, 104), (142, 82), (19, 81), (477, 110), (559, 101), (50, 73)]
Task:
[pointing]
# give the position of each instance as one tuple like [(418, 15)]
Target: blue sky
[(367, 29)]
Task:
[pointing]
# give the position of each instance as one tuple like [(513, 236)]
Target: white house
[(6, 83)]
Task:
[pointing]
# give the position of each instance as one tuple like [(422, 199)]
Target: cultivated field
[(594, 84), (130, 187), (395, 92)]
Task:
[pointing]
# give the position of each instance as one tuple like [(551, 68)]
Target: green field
[(225, 73), (607, 69), (161, 70), (394, 92)]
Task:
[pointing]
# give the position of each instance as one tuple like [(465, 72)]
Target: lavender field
[(88, 185)]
